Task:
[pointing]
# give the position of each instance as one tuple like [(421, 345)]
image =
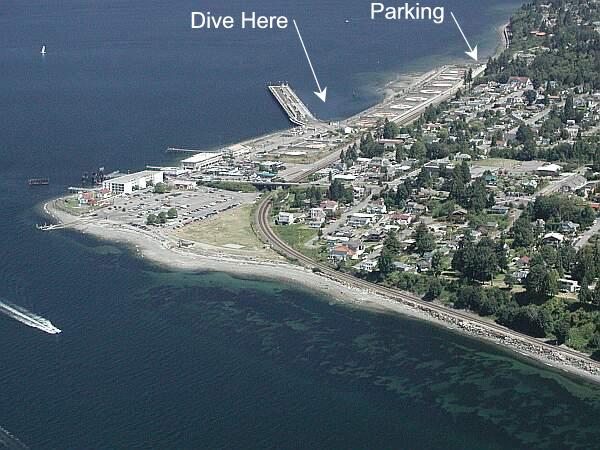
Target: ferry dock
[(297, 111)]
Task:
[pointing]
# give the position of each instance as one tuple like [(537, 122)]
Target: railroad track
[(269, 236), (263, 223)]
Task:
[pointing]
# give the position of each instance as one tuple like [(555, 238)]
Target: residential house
[(341, 253), (87, 198), (402, 267), (500, 210), (360, 219), (344, 252), (553, 239), (367, 266), (549, 170), (415, 208), (459, 215), (519, 83), (568, 227), (567, 285), (377, 207), (520, 275), (401, 219), (375, 236), (286, 218), (330, 207), (523, 262)]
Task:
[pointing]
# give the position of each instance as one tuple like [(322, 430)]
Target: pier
[(181, 150), (297, 111)]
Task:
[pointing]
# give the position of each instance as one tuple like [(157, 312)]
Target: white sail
[(43, 50)]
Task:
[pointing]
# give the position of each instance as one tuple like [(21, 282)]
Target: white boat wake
[(10, 441), (28, 318)]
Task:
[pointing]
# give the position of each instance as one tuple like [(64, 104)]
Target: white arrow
[(473, 51), (322, 93)]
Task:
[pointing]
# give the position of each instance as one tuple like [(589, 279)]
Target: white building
[(367, 266), (201, 161), (183, 185), (566, 285), (317, 217), (549, 170), (128, 183), (237, 150), (286, 218), (360, 219)]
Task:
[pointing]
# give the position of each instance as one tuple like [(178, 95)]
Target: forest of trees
[(573, 58)]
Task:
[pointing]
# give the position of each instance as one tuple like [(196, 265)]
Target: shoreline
[(161, 255)]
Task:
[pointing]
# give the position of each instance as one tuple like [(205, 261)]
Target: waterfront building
[(201, 161), (126, 184)]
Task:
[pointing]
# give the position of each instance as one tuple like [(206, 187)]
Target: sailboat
[(43, 50)]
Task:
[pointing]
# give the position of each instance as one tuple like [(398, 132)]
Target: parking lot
[(191, 206)]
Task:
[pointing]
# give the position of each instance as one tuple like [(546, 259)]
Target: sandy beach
[(164, 253)]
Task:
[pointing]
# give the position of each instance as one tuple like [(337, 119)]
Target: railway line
[(269, 236), (487, 329)]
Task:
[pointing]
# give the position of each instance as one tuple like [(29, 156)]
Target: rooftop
[(200, 157), (132, 177)]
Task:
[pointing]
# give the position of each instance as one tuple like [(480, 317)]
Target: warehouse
[(201, 161)]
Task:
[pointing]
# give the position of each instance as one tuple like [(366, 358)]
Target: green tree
[(585, 295), (418, 150), (561, 330), (402, 195), (541, 283), (596, 296), (437, 264), (162, 217), (392, 244), (477, 261), (385, 264), (510, 281), (172, 213), (434, 290), (390, 130), (424, 240), (477, 196), (525, 134), (522, 232), (569, 110), (530, 96), (161, 188), (151, 219)]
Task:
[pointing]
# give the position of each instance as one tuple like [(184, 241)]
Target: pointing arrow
[(322, 93), (473, 51)]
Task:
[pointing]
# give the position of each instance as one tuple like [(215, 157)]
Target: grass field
[(231, 230), (72, 206), (297, 236), (496, 162)]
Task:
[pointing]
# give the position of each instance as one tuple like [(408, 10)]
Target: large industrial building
[(201, 161), (128, 183)]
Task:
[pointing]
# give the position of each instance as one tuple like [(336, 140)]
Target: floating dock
[(297, 111)]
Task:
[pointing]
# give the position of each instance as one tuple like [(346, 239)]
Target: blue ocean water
[(155, 359)]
